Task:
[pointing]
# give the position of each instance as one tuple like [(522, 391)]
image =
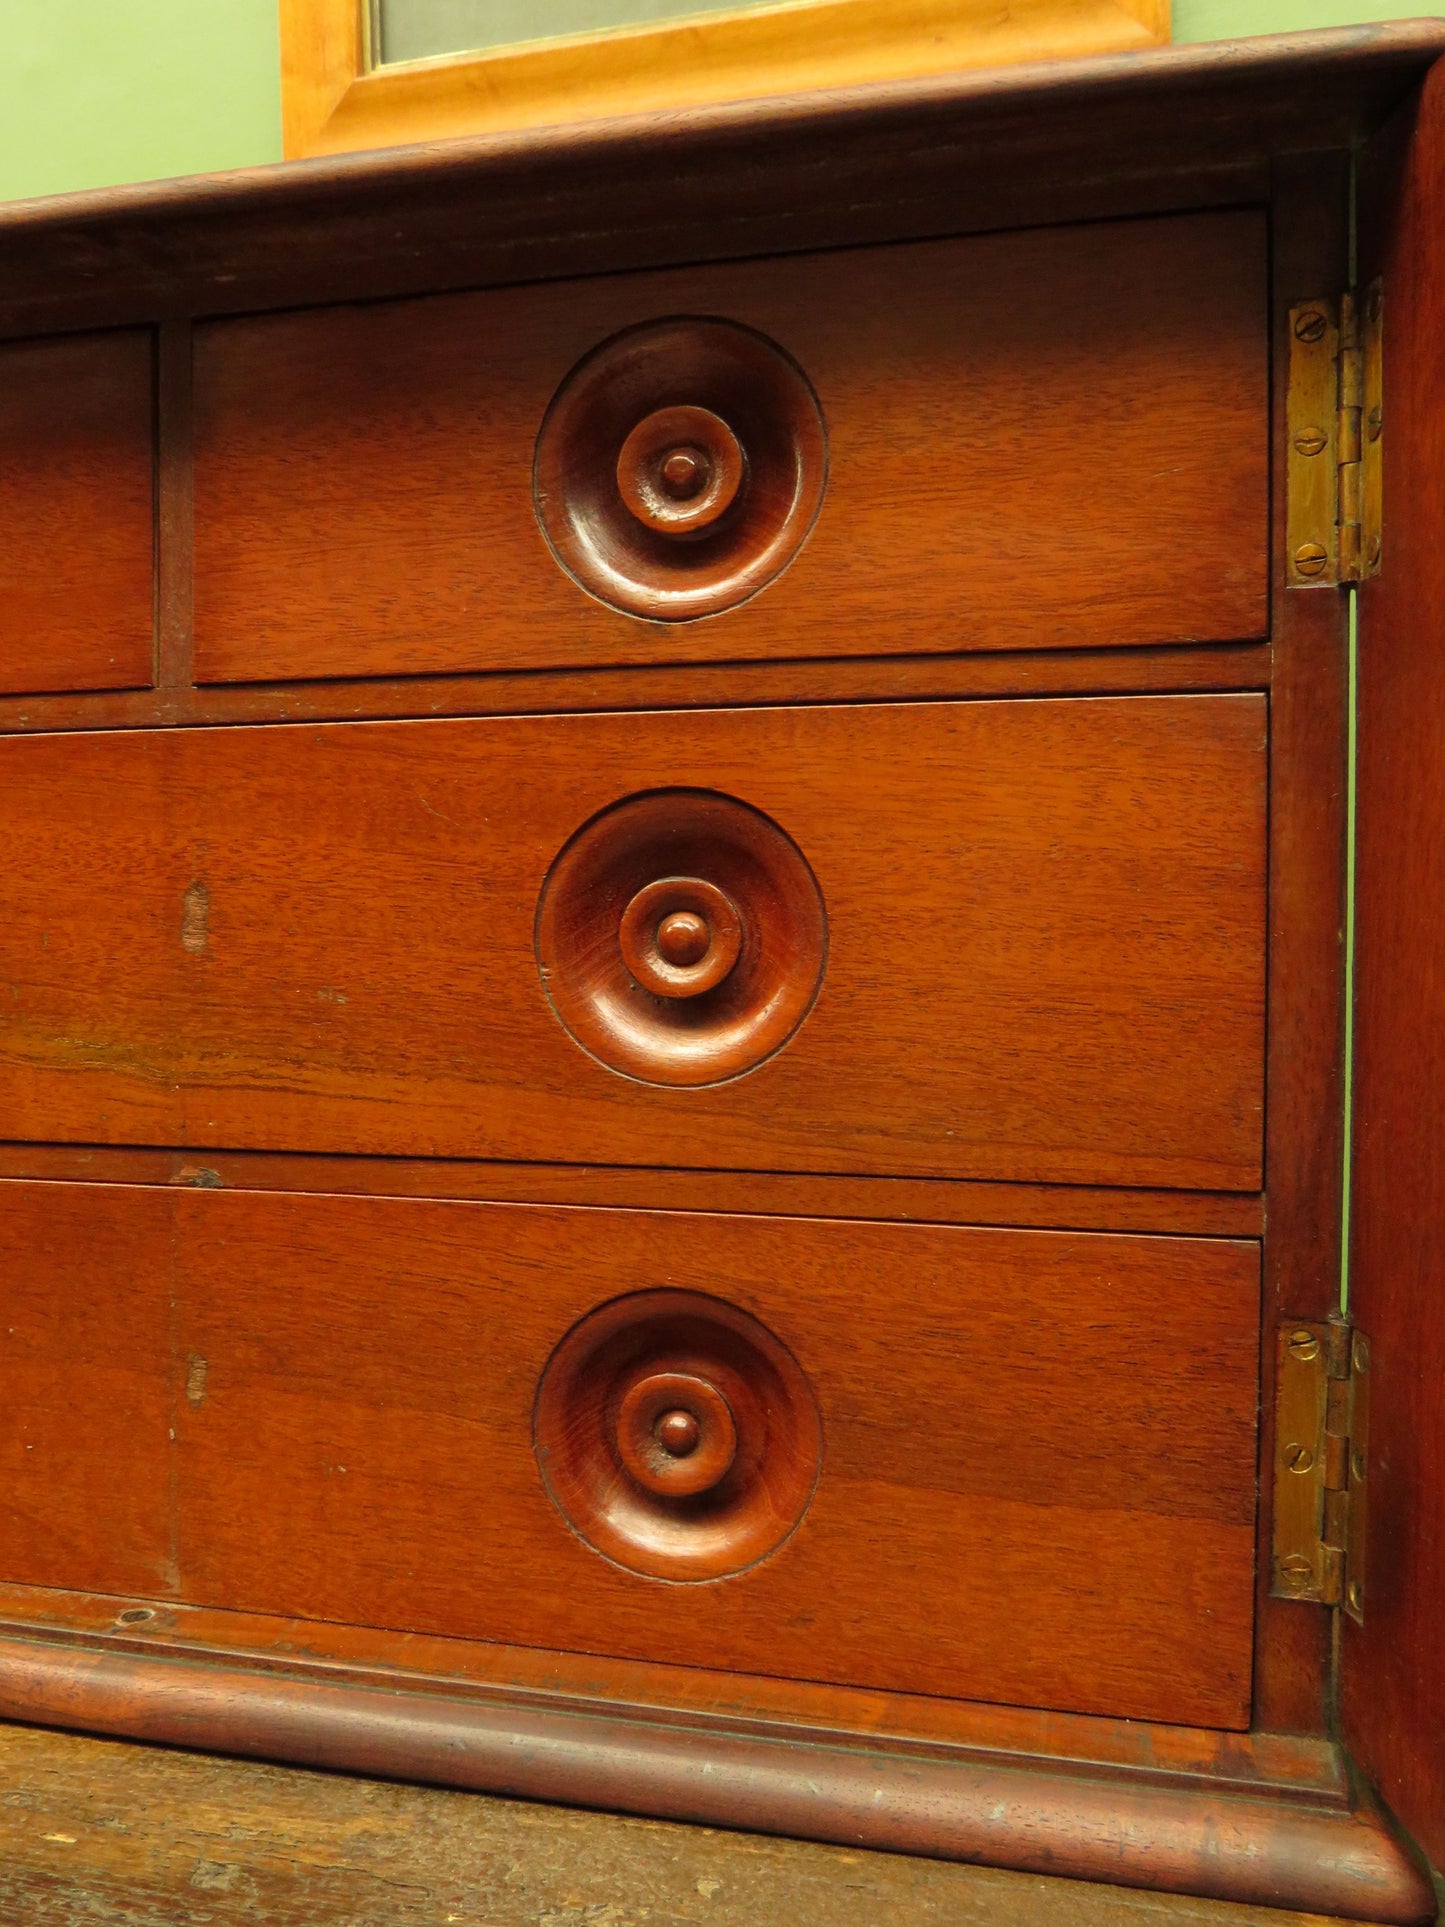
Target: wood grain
[(1186, 126), (351, 1385), (1045, 1207), (322, 939), (363, 475), (1179, 1838), (77, 464), (1304, 1166), (1392, 1678), (131, 1836), (331, 102)]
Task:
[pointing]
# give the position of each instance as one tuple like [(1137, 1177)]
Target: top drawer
[(1054, 438)]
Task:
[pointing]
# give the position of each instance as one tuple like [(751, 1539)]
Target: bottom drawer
[(1004, 1465)]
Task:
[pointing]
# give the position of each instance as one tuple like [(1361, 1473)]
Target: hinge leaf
[(1321, 1463), (1334, 423)]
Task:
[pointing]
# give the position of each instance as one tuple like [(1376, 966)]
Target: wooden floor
[(101, 1834)]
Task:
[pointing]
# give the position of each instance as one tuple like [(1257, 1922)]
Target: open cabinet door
[(1393, 1665)]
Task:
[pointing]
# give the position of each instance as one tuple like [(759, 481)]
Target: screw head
[(1310, 559), (1357, 1467), (1296, 1572), (1362, 1352), (1298, 1458), (1304, 1344), (1372, 552), (1310, 325), (1375, 421), (1355, 1593), (1310, 441)]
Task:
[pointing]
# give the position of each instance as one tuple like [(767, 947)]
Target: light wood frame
[(335, 101)]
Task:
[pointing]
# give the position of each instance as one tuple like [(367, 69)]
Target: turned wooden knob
[(676, 1434), (680, 470), (680, 936)]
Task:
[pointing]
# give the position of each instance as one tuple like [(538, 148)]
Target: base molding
[(1062, 1817)]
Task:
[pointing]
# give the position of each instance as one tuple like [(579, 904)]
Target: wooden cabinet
[(672, 1061)]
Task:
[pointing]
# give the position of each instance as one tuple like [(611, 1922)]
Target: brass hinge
[(1322, 1443), (1334, 421)]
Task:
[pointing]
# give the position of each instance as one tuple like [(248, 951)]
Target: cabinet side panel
[(1393, 1676)]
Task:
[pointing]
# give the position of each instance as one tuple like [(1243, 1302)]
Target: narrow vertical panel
[(1393, 1675), (84, 1420), (77, 511)]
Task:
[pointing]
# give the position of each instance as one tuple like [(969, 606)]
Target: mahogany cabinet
[(675, 944)]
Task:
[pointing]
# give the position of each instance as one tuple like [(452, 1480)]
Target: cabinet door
[(1393, 1668)]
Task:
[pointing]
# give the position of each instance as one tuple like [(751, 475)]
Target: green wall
[(99, 91)]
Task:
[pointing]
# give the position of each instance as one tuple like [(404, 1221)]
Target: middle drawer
[(1018, 940)]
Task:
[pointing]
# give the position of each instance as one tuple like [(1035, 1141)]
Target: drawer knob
[(680, 470), (680, 467), (680, 936), (677, 1435)]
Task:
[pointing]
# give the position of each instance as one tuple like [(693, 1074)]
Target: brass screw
[(1376, 422), (1372, 553), (1310, 326), (1356, 1594), (1357, 1465), (1296, 1571), (1298, 1458), (1304, 1344), (1310, 441), (1362, 1352), (1310, 559)]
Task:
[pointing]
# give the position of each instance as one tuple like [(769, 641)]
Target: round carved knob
[(680, 470), (680, 936), (676, 1434), (680, 467)]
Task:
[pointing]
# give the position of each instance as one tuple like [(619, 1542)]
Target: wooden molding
[(1129, 1828), (333, 101)]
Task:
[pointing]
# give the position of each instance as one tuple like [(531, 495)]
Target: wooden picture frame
[(336, 100)]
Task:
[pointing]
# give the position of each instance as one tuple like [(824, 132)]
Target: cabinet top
[(1003, 147)]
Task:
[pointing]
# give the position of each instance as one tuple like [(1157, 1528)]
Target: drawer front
[(1032, 440), (1029, 1476), (1018, 940), (77, 489)]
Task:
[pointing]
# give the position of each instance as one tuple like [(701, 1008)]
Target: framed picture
[(378, 73)]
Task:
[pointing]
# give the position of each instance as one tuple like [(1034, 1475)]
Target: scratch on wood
[(195, 1378), (195, 913)]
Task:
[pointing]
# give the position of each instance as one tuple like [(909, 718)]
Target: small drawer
[(1015, 940), (990, 1464), (77, 493), (1038, 440)]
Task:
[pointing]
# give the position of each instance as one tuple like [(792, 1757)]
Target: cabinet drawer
[(1017, 940), (1029, 1476), (1030, 440), (77, 488)]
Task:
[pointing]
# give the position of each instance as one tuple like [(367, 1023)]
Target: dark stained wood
[(1392, 1673), (1084, 1003), (1180, 126), (353, 1440), (363, 475), (1304, 1168), (1243, 1849), (686, 686), (1312, 1770), (76, 486), (132, 1836), (85, 1498), (1069, 1207)]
